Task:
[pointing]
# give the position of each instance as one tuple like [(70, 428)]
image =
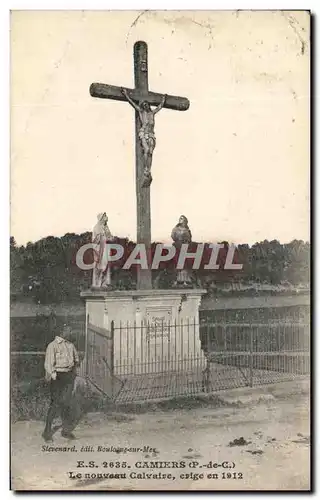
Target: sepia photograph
[(160, 166)]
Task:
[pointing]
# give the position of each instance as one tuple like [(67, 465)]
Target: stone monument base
[(153, 330)]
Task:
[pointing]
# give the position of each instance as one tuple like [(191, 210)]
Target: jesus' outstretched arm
[(159, 108), (133, 104)]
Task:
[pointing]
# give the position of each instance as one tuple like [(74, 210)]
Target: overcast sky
[(236, 163)]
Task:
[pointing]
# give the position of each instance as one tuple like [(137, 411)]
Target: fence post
[(279, 364), (134, 347), (86, 354), (112, 358), (251, 358), (206, 376)]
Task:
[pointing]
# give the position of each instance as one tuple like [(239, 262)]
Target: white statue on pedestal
[(181, 234), (101, 235)]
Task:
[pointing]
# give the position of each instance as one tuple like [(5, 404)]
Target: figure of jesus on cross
[(146, 132), (142, 99)]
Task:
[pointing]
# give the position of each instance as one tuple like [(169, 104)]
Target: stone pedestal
[(153, 330)]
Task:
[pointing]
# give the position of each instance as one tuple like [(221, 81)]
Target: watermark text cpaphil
[(207, 257)]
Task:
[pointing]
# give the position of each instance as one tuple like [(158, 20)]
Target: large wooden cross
[(139, 93)]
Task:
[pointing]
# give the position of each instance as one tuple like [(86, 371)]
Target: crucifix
[(142, 99)]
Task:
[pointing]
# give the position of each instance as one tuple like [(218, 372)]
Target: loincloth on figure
[(149, 137)]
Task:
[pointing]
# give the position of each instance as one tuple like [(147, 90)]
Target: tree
[(49, 265)]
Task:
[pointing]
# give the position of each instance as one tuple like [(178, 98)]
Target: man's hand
[(124, 92), (54, 375)]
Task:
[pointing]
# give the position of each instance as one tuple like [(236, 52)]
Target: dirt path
[(276, 456)]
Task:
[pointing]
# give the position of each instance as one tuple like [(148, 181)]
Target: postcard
[(160, 250)]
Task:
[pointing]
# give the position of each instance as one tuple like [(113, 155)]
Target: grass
[(30, 401)]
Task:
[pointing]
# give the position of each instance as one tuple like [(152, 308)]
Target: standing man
[(60, 367)]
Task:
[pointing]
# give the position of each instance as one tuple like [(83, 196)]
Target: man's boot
[(47, 435), (68, 434)]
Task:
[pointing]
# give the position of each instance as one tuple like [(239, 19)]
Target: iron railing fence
[(156, 361), (150, 361)]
